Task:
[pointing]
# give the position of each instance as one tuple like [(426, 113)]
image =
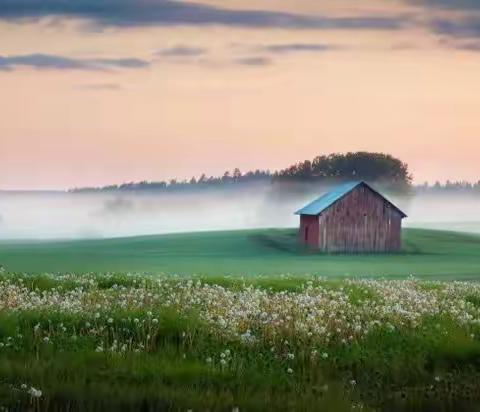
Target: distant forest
[(380, 168)]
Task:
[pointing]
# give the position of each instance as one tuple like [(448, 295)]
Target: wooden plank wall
[(360, 222), (312, 223)]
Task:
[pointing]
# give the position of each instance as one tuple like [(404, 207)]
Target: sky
[(99, 92)]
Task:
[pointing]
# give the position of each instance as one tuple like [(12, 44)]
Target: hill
[(427, 253)]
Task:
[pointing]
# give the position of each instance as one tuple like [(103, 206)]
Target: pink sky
[(90, 102)]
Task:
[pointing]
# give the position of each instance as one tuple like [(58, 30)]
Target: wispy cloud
[(459, 27), (448, 4), (182, 51), (170, 12), (253, 61), (100, 86), (461, 44), (288, 48), (48, 61)]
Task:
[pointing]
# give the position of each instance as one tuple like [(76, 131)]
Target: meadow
[(239, 321), (149, 343), (427, 254)]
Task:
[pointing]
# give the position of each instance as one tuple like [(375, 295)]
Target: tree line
[(372, 167)]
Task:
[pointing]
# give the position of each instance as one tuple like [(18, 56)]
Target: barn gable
[(328, 199)]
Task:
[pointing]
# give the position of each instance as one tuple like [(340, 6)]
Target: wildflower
[(208, 360), (110, 320), (35, 393), (46, 339), (289, 370), (290, 356), (324, 355)]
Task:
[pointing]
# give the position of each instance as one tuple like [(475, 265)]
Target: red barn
[(353, 217)]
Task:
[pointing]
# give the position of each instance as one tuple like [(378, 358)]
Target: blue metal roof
[(323, 202), (328, 199)]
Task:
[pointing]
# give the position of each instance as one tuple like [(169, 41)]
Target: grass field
[(427, 254), (275, 337), (157, 343)]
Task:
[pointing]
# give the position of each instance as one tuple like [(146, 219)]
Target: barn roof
[(328, 199)]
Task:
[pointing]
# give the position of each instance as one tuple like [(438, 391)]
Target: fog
[(60, 215)]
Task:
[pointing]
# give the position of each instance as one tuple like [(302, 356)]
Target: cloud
[(470, 46), (461, 44), (463, 27), (100, 86), (182, 51), (174, 12), (448, 4), (298, 48), (253, 61), (48, 61)]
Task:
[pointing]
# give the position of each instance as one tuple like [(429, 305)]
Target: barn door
[(306, 234)]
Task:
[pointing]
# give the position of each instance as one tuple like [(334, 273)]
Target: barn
[(352, 217)]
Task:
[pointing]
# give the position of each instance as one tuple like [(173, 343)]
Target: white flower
[(290, 370), (35, 393), (324, 355)]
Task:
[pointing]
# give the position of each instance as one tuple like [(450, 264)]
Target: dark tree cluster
[(372, 167)]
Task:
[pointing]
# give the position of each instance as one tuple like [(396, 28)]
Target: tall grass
[(131, 342)]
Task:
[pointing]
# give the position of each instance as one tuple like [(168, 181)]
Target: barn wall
[(362, 221), (308, 237)]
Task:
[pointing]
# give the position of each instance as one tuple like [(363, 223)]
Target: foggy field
[(427, 254), (60, 215)]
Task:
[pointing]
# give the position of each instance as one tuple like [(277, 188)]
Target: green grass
[(427, 253), (173, 356)]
